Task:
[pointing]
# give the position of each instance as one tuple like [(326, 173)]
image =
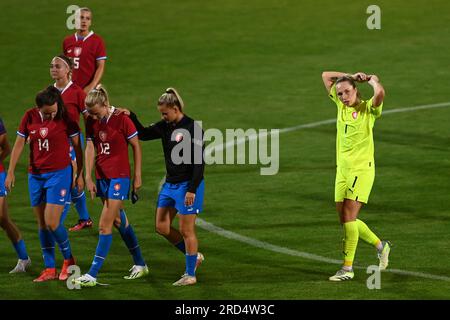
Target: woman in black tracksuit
[(183, 190)]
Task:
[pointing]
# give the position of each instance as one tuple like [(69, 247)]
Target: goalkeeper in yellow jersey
[(355, 170)]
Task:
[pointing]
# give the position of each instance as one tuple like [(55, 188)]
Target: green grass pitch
[(255, 64)]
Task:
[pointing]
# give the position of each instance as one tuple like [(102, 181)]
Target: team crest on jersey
[(179, 137), (63, 192), (77, 51), (355, 115), (43, 132), (103, 135), (117, 186)]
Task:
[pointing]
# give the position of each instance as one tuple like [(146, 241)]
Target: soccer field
[(255, 64)]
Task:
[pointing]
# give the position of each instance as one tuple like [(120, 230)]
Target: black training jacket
[(171, 135)]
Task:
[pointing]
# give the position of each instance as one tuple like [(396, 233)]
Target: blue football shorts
[(51, 187), (173, 195), (115, 189)]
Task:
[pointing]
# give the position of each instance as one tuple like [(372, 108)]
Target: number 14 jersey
[(49, 143)]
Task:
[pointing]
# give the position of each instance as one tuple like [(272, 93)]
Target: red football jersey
[(110, 137), (85, 53), (49, 143), (73, 97), (2, 131)]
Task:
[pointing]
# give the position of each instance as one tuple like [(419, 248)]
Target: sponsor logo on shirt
[(355, 115), (103, 135), (77, 51), (179, 137), (43, 132), (32, 131)]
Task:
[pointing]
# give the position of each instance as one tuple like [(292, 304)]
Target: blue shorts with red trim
[(51, 187), (2, 184), (115, 189), (173, 195)]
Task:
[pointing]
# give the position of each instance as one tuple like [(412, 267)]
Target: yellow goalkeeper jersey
[(354, 139)]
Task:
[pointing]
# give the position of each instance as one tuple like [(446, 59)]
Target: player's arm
[(76, 143), (197, 175), (89, 153), (378, 90), (137, 154), (151, 132), (198, 162), (100, 69), (330, 77), (15, 156), (5, 148), (145, 133)]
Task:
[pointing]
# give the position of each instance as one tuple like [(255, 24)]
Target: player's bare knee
[(187, 232), (42, 225), (3, 218), (52, 225), (117, 222), (162, 229), (104, 229), (4, 222), (348, 214)]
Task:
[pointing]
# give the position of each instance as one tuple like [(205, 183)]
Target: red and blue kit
[(85, 52), (2, 131), (73, 97), (2, 168), (49, 143), (50, 176), (110, 136)]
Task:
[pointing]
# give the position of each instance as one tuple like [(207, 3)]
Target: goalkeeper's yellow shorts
[(353, 184)]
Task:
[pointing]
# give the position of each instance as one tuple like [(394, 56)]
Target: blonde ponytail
[(171, 98), (97, 96)]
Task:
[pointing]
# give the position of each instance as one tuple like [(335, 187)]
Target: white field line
[(267, 246), (252, 137), (278, 249)]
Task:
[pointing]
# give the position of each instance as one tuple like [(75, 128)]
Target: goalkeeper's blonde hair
[(97, 96), (171, 98)]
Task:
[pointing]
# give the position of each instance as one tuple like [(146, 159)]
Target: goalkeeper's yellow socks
[(368, 236), (351, 236)]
